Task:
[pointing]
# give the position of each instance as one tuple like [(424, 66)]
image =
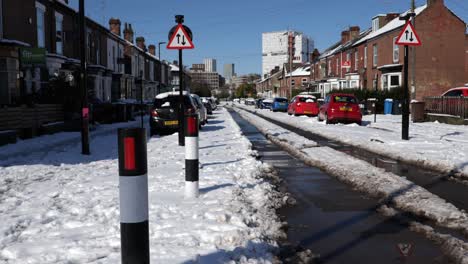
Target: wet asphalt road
[(339, 224), (435, 182)]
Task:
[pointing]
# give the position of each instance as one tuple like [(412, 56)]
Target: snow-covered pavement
[(439, 146), (57, 206)]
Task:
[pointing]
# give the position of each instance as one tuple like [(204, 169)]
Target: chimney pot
[(115, 26), (128, 32), (152, 49)]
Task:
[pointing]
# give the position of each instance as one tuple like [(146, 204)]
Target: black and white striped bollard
[(191, 156), (133, 182)]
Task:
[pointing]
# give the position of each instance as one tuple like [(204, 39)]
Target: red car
[(303, 105), (459, 91), (340, 108)]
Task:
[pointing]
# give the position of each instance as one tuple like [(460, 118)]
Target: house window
[(1, 19), (59, 33), (304, 81), (348, 59), (337, 67), (375, 56), (365, 57), (391, 80), (356, 60), (329, 67), (40, 15), (293, 82), (375, 24), (396, 51)]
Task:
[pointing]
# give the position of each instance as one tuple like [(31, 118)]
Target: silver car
[(203, 115)]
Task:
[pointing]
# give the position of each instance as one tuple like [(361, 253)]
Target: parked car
[(211, 101), (340, 108), (250, 101), (165, 110), (459, 91), (258, 103), (266, 103), (236, 100), (303, 105), (279, 104), (203, 112)]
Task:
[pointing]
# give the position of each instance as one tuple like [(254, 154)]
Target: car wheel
[(318, 118), (326, 119)]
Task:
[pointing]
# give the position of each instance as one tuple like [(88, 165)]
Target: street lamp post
[(83, 85), (161, 62)]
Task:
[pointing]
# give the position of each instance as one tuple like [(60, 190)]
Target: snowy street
[(57, 206)]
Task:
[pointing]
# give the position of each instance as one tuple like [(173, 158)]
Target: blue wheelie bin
[(388, 105)]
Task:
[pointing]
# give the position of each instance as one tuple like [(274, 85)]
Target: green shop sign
[(33, 56)]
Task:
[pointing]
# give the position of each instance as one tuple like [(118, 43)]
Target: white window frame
[(293, 82), (348, 59), (59, 18), (375, 55), (1, 19), (396, 51), (337, 66), (329, 68), (365, 57), (375, 24), (388, 78), (304, 81), (40, 8), (356, 60)]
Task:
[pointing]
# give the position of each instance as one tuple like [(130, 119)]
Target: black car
[(164, 113)]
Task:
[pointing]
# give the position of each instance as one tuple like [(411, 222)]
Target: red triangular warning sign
[(405, 249), (180, 39), (408, 36)]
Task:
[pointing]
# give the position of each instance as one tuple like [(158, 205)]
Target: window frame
[(365, 57), (375, 55), (40, 9), (59, 18), (356, 60), (396, 51)]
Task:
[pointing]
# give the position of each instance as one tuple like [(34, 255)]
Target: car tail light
[(299, 104), (154, 113), (189, 111)]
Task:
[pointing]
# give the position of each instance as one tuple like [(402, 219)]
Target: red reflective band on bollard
[(129, 153), (192, 126)]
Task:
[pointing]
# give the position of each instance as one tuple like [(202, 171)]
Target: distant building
[(277, 48), (210, 65), (198, 67), (211, 79), (229, 72)]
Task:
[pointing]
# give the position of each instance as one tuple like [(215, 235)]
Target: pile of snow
[(440, 147), (61, 207), (391, 188)]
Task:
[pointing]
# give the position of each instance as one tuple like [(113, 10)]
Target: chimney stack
[(435, 2), (128, 33), (114, 26), (344, 37), (140, 42), (152, 49), (354, 32)]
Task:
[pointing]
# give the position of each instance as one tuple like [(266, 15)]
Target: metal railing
[(446, 105)]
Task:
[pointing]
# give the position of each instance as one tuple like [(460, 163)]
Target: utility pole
[(290, 36), (413, 57), (161, 62), (180, 20), (83, 83)]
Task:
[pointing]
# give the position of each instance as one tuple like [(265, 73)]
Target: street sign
[(346, 64), (33, 56), (408, 36), (180, 39)]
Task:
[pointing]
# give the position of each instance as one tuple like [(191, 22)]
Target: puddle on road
[(335, 222)]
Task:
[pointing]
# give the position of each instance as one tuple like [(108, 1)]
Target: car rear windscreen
[(281, 100), (345, 99), (170, 102), (306, 100)]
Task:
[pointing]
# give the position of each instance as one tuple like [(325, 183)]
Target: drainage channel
[(435, 182), (334, 222)]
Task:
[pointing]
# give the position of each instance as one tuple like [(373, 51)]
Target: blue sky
[(230, 31)]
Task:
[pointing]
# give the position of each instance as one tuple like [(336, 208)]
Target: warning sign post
[(180, 38)]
